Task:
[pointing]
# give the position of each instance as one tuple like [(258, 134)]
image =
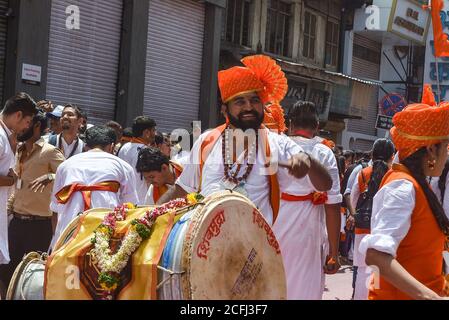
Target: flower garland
[(112, 265)]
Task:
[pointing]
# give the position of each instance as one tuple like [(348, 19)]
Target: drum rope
[(36, 260), (171, 273)]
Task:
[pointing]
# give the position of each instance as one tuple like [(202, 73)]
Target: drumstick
[(284, 164)]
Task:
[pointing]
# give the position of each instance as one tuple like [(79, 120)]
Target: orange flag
[(441, 42), (428, 96)]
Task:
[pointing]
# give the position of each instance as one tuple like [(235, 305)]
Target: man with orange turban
[(218, 163), (408, 224)]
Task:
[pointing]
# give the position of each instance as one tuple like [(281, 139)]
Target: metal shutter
[(174, 62), (366, 69), (363, 145), (3, 31), (83, 64)]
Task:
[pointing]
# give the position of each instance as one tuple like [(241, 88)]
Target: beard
[(66, 126), (243, 124), (27, 135)]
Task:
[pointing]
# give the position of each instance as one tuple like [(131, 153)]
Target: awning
[(318, 74)]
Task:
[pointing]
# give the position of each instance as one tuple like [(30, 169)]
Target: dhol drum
[(28, 278), (220, 249)]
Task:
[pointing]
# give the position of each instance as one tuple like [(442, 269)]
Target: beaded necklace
[(228, 160)]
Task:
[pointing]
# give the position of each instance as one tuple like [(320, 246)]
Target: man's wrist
[(50, 176)]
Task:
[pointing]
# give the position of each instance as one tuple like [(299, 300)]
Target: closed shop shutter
[(83, 64), (366, 64), (3, 32), (363, 145), (174, 62)]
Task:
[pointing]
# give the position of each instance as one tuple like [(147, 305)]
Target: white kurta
[(363, 273), (282, 148), (391, 217), (436, 190), (68, 148), (130, 152), (7, 160), (301, 228), (90, 168)]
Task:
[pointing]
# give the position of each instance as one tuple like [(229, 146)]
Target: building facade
[(387, 43), (307, 40), (116, 59)]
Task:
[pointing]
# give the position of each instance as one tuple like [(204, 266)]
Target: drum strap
[(207, 146), (66, 193)]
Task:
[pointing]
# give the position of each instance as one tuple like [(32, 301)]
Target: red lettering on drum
[(260, 221), (213, 230)]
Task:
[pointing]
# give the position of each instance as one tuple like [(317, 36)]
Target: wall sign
[(409, 20), (384, 122), (31, 74)]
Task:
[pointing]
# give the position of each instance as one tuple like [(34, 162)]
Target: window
[(237, 28), (308, 50), (277, 39), (332, 36)]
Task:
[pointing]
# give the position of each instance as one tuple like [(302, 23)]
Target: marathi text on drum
[(260, 221), (212, 231)]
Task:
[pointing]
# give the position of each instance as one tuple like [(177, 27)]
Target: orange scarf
[(138, 140), (206, 148), (66, 193)]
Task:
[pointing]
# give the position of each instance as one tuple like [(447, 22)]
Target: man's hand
[(40, 183), (299, 165), (332, 264), (350, 222), (45, 105), (13, 175)]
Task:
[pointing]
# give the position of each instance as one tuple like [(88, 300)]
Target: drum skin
[(228, 252), (28, 279)]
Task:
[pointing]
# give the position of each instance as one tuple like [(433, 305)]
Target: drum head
[(231, 253), (19, 272)]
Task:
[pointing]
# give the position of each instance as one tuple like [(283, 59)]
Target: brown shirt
[(43, 159)]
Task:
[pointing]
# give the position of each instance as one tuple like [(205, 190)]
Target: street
[(339, 286)]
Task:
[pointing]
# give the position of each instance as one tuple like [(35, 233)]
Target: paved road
[(339, 286)]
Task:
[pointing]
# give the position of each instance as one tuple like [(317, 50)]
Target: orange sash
[(159, 191), (317, 198), (138, 140), (206, 148), (66, 193)]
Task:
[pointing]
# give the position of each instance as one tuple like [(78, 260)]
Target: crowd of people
[(324, 204)]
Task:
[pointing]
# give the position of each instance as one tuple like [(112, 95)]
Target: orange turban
[(420, 125), (274, 118), (263, 75)]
